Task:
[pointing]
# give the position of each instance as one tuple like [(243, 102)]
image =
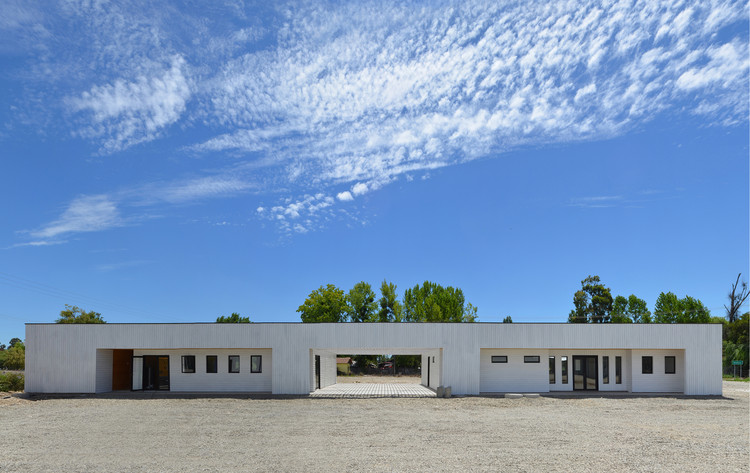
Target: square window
[(669, 365), (500, 359), (188, 364), (531, 359), (234, 363), (647, 364), (212, 364), (255, 364)]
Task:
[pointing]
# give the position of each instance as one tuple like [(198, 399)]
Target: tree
[(13, 342), (593, 303), (15, 357), (630, 310), (669, 309), (508, 320), (390, 307), (361, 301), (736, 300), (325, 304), (432, 302), (76, 315), (235, 318)]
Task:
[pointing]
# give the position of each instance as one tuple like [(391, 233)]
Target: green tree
[(630, 310), (432, 302), (13, 342), (593, 303), (76, 315), (361, 303), (508, 320), (235, 318), (390, 307), (15, 357), (669, 309), (325, 304)]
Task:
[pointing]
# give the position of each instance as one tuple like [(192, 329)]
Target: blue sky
[(160, 163)]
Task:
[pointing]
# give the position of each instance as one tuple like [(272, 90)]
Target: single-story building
[(344, 365), (296, 358)]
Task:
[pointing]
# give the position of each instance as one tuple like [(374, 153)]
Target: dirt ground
[(378, 379), (84, 434)]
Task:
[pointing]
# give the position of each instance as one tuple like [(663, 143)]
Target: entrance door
[(151, 373), (585, 373), (122, 369), (317, 371)]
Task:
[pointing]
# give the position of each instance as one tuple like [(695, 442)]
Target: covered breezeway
[(323, 374)]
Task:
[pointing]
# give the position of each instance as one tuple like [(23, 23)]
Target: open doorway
[(387, 368)]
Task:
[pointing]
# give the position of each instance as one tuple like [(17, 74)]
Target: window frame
[(499, 359), (618, 370), (552, 367), (674, 364), (183, 364), (605, 369), (564, 370), (532, 359), (216, 364), (252, 364), (229, 360), (650, 365)]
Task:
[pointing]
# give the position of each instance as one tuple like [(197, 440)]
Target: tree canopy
[(235, 318), (390, 307), (630, 310), (669, 309), (76, 315), (593, 303), (325, 304), (361, 303), (432, 302)]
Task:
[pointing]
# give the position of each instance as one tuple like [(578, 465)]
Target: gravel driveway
[(676, 434)]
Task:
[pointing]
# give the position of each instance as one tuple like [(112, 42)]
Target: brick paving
[(369, 390)]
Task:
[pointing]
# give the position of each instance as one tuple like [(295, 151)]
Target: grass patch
[(11, 381), (729, 377)]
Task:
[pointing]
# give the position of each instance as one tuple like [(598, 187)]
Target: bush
[(11, 382)]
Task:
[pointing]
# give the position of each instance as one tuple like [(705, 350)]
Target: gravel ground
[(676, 434)]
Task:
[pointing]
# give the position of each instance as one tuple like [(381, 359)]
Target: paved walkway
[(363, 390)]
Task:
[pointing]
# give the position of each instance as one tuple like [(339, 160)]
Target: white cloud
[(84, 214), (359, 188), (345, 196)]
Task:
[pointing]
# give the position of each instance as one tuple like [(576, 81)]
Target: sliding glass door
[(151, 373), (585, 373)]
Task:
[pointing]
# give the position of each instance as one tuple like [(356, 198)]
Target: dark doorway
[(585, 373), (317, 371), (151, 373), (428, 371), (122, 368)]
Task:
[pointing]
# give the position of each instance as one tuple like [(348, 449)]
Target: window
[(212, 364), (551, 370), (188, 364), (618, 370), (564, 362), (500, 359), (255, 364), (531, 359), (669, 365), (234, 363), (605, 369), (647, 364)]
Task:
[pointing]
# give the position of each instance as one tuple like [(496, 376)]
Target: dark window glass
[(605, 369), (669, 365), (551, 370), (618, 370), (256, 364), (647, 365), (500, 359), (564, 363), (234, 363), (531, 359), (188, 364), (212, 364)]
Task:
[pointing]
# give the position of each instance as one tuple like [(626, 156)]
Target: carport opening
[(402, 369)]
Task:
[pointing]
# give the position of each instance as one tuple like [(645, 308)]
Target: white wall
[(515, 375), (658, 381), (103, 371), (222, 380), (432, 360)]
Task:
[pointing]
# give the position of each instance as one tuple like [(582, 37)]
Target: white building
[(295, 358)]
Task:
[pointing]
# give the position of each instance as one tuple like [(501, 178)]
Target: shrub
[(11, 382)]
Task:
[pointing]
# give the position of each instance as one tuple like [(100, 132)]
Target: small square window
[(669, 365), (531, 359), (647, 364), (500, 359), (234, 363), (188, 364), (256, 364), (212, 364)]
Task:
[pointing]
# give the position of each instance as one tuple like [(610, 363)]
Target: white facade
[(69, 358)]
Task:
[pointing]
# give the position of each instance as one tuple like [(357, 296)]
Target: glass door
[(585, 373), (154, 372), (137, 379)]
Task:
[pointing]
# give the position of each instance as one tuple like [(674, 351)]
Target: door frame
[(143, 373), (317, 371), (585, 377)]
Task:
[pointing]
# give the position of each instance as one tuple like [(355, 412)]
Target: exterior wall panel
[(103, 371), (514, 376)]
